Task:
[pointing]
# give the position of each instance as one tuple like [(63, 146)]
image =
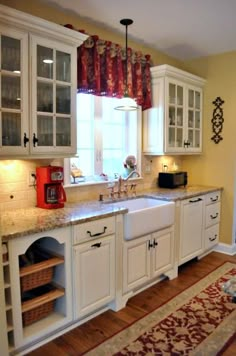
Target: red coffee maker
[(50, 191)]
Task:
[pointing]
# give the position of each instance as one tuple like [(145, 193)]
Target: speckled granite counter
[(23, 222), (182, 193)]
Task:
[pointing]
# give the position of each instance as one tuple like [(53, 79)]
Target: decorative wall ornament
[(217, 120)]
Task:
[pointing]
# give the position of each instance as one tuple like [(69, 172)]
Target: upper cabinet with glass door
[(53, 97), (38, 79), (174, 124), (13, 92)]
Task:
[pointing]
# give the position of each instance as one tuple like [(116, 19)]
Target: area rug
[(199, 321)]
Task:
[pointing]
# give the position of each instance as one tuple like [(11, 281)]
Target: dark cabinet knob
[(35, 140), (25, 140)]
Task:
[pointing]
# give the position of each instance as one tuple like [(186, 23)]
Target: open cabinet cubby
[(40, 274), (38, 293)]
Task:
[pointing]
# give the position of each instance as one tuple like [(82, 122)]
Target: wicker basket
[(38, 313), (39, 273), (39, 302), (36, 279)]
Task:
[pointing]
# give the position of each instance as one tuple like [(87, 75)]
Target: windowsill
[(108, 182)]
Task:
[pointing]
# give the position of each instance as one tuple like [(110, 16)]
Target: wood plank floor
[(95, 331)]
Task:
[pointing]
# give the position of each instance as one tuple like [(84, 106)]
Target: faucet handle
[(133, 188)]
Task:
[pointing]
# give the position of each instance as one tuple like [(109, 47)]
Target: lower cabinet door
[(191, 229), (94, 275), (162, 253), (136, 262)]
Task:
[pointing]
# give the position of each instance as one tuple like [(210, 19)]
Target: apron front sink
[(146, 215)]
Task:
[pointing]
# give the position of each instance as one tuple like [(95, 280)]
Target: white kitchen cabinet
[(93, 265), (38, 69), (147, 257), (35, 316), (174, 124), (191, 228), (212, 219)]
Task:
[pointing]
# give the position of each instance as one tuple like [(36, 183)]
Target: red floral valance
[(102, 68)]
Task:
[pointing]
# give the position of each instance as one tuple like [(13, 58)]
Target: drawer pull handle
[(215, 199), (214, 217), (98, 244), (213, 238), (150, 245), (195, 200), (98, 233)]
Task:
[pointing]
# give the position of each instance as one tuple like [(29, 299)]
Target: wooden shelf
[(45, 298), (54, 261)]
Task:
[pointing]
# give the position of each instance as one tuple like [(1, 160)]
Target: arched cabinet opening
[(41, 284)]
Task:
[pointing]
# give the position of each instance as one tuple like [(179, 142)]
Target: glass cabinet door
[(14, 134), (52, 126), (194, 118), (175, 115)]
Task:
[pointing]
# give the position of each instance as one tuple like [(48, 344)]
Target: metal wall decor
[(217, 120)]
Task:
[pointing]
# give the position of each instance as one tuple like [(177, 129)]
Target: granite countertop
[(28, 221)]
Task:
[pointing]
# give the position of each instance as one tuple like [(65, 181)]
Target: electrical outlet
[(32, 178)]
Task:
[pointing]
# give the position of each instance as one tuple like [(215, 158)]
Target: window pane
[(44, 97), (10, 53), (11, 129), (63, 131), (45, 130), (105, 137), (63, 66), (85, 135), (44, 62)]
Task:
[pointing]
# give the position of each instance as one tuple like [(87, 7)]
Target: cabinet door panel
[(191, 229), (162, 254), (13, 91), (136, 263), (94, 274), (53, 96)]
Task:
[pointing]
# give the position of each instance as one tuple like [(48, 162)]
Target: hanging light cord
[(126, 23)]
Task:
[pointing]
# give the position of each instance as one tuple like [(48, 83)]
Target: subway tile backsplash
[(16, 192)]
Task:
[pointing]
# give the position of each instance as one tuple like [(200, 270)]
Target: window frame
[(67, 175)]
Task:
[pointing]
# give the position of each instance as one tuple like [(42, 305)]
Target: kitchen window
[(105, 137)]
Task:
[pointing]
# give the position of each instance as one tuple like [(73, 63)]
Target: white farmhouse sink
[(146, 215)]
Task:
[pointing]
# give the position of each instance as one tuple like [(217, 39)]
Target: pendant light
[(126, 103)]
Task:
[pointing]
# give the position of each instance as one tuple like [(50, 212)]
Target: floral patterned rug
[(199, 321)]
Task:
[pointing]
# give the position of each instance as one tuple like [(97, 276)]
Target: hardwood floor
[(95, 331)]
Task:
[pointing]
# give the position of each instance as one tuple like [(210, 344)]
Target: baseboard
[(225, 248)]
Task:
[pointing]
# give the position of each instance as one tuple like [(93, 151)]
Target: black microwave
[(172, 179)]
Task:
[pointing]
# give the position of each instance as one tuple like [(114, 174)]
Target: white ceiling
[(183, 29)]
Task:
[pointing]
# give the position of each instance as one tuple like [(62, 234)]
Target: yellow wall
[(217, 165)]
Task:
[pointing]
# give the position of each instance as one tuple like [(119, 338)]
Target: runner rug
[(199, 321)]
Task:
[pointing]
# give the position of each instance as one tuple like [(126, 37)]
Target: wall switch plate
[(32, 178)]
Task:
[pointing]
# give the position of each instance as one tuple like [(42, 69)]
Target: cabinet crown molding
[(179, 74), (34, 24)]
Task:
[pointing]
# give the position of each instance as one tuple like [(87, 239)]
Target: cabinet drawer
[(211, 236), (212, 214), (93, 229), (212, 197)]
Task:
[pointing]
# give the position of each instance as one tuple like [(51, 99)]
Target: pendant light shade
[(126, 103)]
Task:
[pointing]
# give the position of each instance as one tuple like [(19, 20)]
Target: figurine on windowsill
[(130, 164)]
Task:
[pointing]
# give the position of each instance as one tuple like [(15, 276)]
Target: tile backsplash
[(16, 192)]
